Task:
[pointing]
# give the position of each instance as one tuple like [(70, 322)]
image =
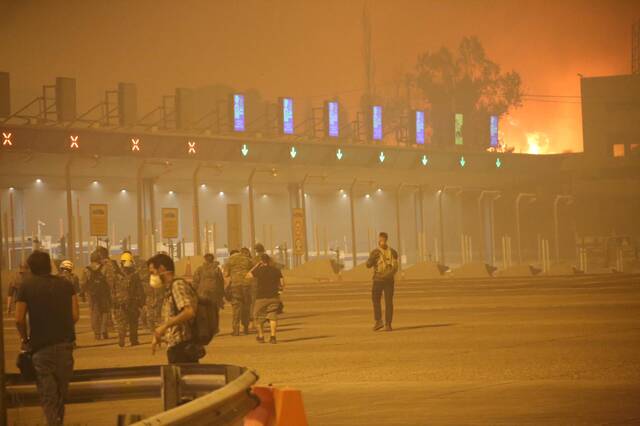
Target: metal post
[(518, 237), (152, 214), (556, 231), (70, 241), (353, 222), (12, 224), (139, 211), (423, 238), (400, 249), (440, 220), (79, 220), (303, 204), (252, 219), (3, 399), (196, 214)]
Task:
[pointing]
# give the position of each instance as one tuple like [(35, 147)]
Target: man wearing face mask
[(178, 312), (384, 261)]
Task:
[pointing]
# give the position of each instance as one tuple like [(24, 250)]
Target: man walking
[(127, 307), (270, 283), (236, 270), (52, 308), (208, 282), (95, 284), (178, 312), (384, 261)]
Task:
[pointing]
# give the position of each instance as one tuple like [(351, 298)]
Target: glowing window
[(420, 127), (459, 124), (377, 123), (618, 150), (333, 119), (494, 130), (287, 116), (238, 113)]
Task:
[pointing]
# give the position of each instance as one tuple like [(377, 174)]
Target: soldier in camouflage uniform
[(97, 281), (208, 282), (129, 298), (239, 288)]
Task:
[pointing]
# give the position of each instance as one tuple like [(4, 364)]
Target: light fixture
[(379, 190), (367, 196), (95, 182), (341, 191), (344, 195), (123, 191), (221, 193), (264, 195), (171, 192), (38, 180), (11, 188), (203, 186)]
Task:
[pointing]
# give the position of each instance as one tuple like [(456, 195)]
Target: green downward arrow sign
[(462, 161), (381, 157), (293, 152), (244, 150), (339, 154)]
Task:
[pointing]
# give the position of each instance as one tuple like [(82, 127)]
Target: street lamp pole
[(481, 222)]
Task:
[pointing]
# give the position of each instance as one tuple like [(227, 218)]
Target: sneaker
[(377, 325), (388, 327), (272, 340), (260, 339)]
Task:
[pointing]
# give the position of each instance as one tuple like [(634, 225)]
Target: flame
[(538, 143)]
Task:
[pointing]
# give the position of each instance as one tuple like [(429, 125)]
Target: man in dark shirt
[(52, 305), (269, 283)]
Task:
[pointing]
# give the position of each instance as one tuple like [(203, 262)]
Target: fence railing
[(194, 394)]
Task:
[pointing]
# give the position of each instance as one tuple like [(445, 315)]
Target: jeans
[(99, 318), (378, 288), (54, 367), (182, 353)]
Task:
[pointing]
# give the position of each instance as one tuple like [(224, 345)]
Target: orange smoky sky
[(313, 49)]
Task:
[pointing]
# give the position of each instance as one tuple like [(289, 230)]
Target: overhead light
[(95, 182), (379, 189), (38, 180), (341, 191), (11, 188), (344, 195), (367, 196), (264, 195), (221, 193), (171, 192), (123, 190), (203, 186)]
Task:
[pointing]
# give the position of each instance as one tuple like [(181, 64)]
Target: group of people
[(47, 307)]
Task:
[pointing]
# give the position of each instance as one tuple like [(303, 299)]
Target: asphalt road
[(502, 351)]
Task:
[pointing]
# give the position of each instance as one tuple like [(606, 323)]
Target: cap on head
[(126, 257), (259, 248), (66, 264)]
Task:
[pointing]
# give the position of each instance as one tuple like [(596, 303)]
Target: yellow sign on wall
[(99, 220), (169, 223), (299, 234)]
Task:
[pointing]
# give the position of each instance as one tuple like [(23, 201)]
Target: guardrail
[(194, 394)]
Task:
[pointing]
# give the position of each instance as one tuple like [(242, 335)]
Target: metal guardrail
[(194, 394)]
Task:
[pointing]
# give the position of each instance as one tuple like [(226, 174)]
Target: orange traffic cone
[(289, 408)]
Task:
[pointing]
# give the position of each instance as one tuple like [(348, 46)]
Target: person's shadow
[(417, 327)]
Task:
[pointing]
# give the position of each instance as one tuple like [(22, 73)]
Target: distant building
[(611, 115)]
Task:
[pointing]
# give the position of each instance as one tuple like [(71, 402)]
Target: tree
[(466, 82)]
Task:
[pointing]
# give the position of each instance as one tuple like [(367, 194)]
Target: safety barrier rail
[(194, 394)]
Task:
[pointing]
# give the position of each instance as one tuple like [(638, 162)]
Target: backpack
[(211, 285), (97, 285), (205, 325)]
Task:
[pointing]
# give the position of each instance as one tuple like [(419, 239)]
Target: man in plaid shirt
[(178, 312)]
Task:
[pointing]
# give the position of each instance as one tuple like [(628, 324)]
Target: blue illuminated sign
[(238, 113), (420, 127), (287, 116), (333, 122), (494, 130), (377, 123)]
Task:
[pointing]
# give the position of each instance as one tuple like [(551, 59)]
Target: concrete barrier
[(471, 270), (314, 270), (422, 271), (563, 269), (516, 271), (358, 274)]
